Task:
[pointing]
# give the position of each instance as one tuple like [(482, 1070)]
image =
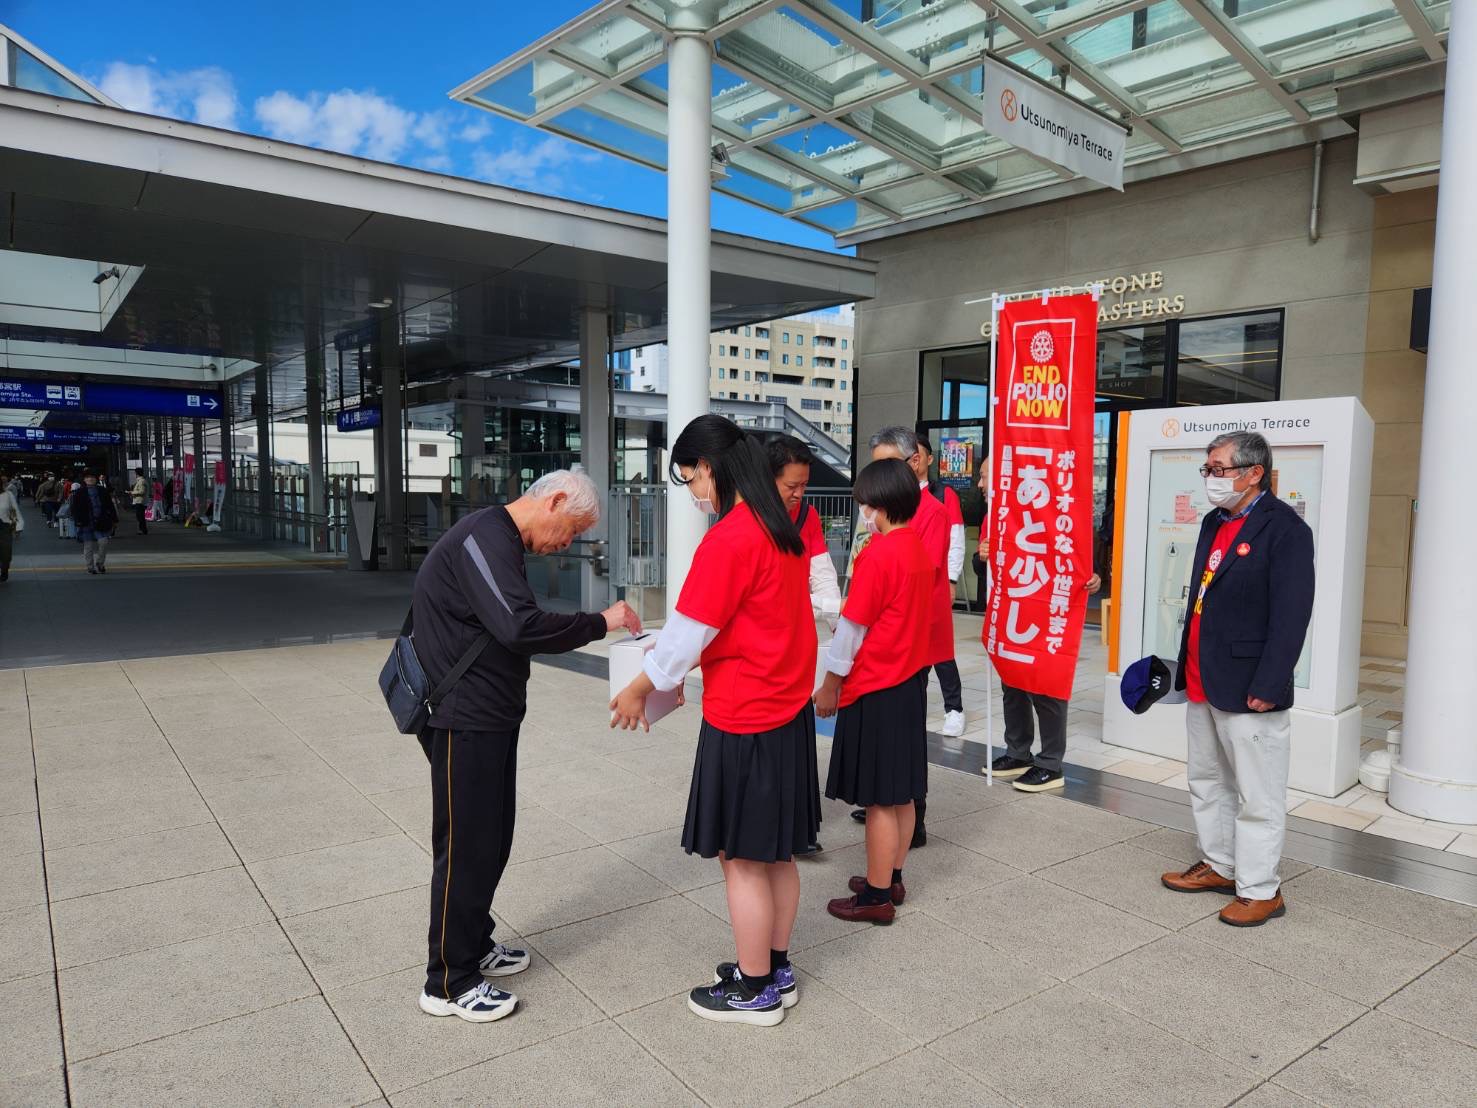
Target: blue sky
[(368, 77)]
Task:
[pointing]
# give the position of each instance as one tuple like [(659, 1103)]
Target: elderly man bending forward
[(473, 582)]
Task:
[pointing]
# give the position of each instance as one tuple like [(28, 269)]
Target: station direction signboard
[(60, 435), (151, 400), (40, 395), (42, 447), (359, 419), (110, 398)]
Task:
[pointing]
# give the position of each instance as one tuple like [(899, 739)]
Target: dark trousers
[(1020, 728), (143, 526), (950, 685), (49, 509), (473, 806), (7, 541)]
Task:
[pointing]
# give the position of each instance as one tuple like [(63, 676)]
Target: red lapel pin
[(1243, 550)]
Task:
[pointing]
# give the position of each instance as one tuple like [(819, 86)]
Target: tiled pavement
[(226, 888)]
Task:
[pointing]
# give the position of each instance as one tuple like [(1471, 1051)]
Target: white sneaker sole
[(509, 971), (435, 1006), (787, 1000), (758, 1019), (1060, 782)]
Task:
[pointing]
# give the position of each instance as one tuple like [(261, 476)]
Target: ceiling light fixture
[(383, 302)]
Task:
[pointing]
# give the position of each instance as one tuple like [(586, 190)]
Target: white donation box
[(1320, 467)]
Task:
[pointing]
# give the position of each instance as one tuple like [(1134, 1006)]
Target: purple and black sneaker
[(729, 1002), (784, 981)]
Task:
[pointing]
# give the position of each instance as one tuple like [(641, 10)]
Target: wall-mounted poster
[(956, 463)]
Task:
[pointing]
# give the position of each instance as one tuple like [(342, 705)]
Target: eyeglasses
[(1219, 471)]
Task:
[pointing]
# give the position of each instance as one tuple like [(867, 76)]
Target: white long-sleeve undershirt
[(679, 647), (842, 651), (956, 551), (825, 589)]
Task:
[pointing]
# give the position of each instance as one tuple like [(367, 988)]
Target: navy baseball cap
[(1146, 682)]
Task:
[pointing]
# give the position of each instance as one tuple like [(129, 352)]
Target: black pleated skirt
[(755, 797), (880, 752)]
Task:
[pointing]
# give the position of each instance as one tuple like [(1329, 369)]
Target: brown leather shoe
[(1199, 878), (899, 893), (1252, 913), (848, 908)]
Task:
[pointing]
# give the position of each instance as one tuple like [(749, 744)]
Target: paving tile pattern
[(217, 892)]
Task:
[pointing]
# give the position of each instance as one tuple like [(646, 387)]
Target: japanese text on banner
[(1040, 523)]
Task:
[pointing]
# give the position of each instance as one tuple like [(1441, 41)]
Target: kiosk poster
[(1041, 496)]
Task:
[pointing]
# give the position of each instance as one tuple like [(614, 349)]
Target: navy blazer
[(1255, 614)]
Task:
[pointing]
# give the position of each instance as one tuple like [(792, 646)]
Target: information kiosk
[(1320, 466)]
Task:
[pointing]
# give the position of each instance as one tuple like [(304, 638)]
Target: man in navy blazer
[(1252, 583)]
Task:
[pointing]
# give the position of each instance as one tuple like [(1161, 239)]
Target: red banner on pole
[(1040, 521)]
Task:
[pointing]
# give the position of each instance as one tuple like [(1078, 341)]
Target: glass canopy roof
[(854, 114)]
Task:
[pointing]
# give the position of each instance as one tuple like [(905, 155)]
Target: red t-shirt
[(810, 531), (891, 589), (760, 670), (932, 527), (1224, 537), (952, 508)]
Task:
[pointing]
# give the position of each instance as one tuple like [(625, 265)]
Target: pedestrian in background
[(139, 494), (1253, 576), (48, 496), (11, 525), (95, 519)]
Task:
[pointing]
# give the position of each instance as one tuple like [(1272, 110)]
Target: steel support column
[(1436, 777), (262, 406), (317, 500), (390, 481), (595, 444), (689, 274)]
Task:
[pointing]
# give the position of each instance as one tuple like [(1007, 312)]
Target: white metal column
[(689, 276), (595, 444), (1437, 774)]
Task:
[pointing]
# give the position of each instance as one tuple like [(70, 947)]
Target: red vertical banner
[(1040, 522)]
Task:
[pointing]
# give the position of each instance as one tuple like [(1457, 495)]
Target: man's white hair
[(583, 498)]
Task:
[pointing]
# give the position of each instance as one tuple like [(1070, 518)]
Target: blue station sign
[(59, 435), (40, 395), (115, 399), (359, 419), (42, 448), (151, 400)]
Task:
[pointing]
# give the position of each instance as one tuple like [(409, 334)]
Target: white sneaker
[(953, 725), (480, 1004), (504, 961)]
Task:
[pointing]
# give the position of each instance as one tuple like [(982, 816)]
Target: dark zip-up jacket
[(473, 580)]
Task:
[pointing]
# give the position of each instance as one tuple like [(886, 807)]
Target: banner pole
[(995, 304)]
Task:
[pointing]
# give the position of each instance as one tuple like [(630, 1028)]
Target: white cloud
[(206, 95), (348, 121), (477, 130), (543, 166)]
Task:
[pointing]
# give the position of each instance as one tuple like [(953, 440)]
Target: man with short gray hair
[(1253, 582), (472, 594)]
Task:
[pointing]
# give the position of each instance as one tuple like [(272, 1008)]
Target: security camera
[(720, 153), (115, 272)]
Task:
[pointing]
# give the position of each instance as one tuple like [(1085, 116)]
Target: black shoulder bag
[(407, 689)]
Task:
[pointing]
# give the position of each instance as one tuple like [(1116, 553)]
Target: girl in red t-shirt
[(876, 674), (744, 614)]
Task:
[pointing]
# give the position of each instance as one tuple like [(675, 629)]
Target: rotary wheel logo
[(1042, 347), (1171, 428), (1007, 104)]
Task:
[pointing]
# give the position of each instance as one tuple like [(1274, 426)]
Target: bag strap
[(803, 516), (463, 664), (936, 488)]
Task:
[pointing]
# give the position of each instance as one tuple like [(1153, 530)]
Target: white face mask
[(702, 504), (1221, 491), (869, 521)]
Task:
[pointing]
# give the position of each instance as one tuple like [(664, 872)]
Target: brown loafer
[(1199, 878), (849, 908), (1252, 913), (899, 893)]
